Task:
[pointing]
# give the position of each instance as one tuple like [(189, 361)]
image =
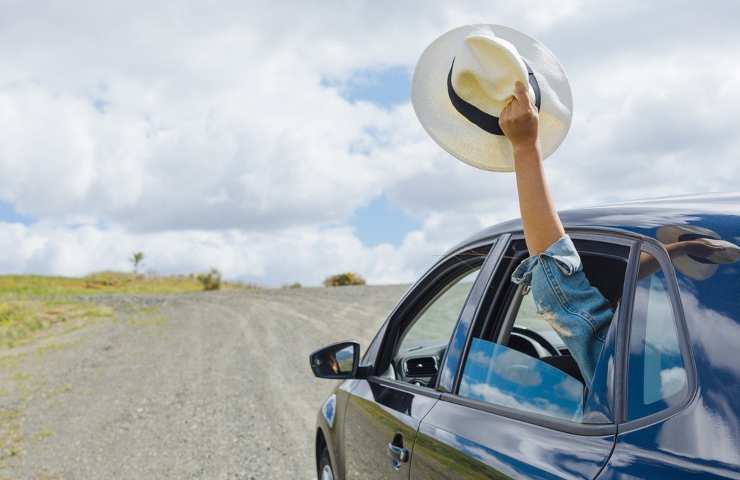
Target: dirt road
[(211, 386)]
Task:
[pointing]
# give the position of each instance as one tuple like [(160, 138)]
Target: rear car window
[(657, 377)]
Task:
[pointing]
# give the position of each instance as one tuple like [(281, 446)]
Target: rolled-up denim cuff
[(562, 251)]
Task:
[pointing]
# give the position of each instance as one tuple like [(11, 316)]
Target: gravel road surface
[(211, 386)]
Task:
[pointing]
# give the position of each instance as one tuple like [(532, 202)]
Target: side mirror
[(337, 361)]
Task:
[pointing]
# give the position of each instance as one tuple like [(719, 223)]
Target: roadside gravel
[(210, 385)]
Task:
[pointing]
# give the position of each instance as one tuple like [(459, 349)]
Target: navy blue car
[(466, 380)]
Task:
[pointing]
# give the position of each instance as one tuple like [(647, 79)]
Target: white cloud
[(307, 254), (208, 136)]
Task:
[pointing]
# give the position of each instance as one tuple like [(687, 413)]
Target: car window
[(657, 375), (501, 375), (517, 360), (422, 345), (532, 331), (512, 372), (436, 322)]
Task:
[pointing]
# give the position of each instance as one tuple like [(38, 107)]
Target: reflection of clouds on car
[(491, 394), (470, 448), (569, 389), (518, 368), (658, 307), (479, 358), (672, 381), (507, 377), (725, 346)]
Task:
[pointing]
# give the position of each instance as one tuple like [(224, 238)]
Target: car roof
[(712, 211)]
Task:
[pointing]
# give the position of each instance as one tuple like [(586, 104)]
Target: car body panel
[(689, 445), (699, 440), (703, 439), (332, 433), (494, 446), (379, 413)]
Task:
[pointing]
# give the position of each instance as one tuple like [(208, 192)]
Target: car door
[(511, 405), (680, 414), (384, 411)]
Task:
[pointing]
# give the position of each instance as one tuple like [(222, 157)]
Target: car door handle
[(398, 455)]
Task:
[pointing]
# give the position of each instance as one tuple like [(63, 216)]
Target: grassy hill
[(31, 304)]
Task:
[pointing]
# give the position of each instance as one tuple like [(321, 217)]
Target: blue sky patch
[(100, 104), (387, 87), (9, 214), (382, 222)]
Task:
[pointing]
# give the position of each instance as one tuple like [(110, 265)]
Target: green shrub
[(293, 285), (342, 279), (210, 280), (108, 279)]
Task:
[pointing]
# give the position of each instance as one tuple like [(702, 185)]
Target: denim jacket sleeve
[(575, 309)]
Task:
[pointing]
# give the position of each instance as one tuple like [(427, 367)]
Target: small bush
[(342, 279), (108, 279), (136, 259), (293, 285), (210, 280)]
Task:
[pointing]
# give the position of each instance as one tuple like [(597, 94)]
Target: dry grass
[(30, 304), (102, 282), (20, 320)]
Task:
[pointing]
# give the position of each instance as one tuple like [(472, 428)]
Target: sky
[(276, 142)]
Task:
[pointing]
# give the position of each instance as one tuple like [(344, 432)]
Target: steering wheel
[(536, 337)]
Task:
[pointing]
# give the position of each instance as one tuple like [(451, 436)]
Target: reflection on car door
[(380, 428), (460, 441), (500, 425), (383, 413)]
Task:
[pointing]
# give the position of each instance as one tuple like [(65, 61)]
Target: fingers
[(507, 108), (517, 107), (503, 117), (521, 94)]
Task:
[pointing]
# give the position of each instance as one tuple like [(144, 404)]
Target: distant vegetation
[(343, 279), (31, 304), (102, 283), (136, 259), (293, 285), (21, 319), (96, 283), (210, 280)]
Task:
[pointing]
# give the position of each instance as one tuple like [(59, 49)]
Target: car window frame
[(658, 251), (416, 300), (620, 237)]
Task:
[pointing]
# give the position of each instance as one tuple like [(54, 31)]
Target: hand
[(519, 119), (705, 248)]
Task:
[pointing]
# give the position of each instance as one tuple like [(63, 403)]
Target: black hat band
[(487, 122)]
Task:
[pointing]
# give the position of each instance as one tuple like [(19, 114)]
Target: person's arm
[(519, 122)]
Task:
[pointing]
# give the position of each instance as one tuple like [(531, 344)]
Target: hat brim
[(466, 141)]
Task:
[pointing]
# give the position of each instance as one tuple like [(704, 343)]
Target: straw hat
[(695, 267), (466, 77)]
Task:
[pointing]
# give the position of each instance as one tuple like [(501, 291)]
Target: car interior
[(522, 329), (512, 320)]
